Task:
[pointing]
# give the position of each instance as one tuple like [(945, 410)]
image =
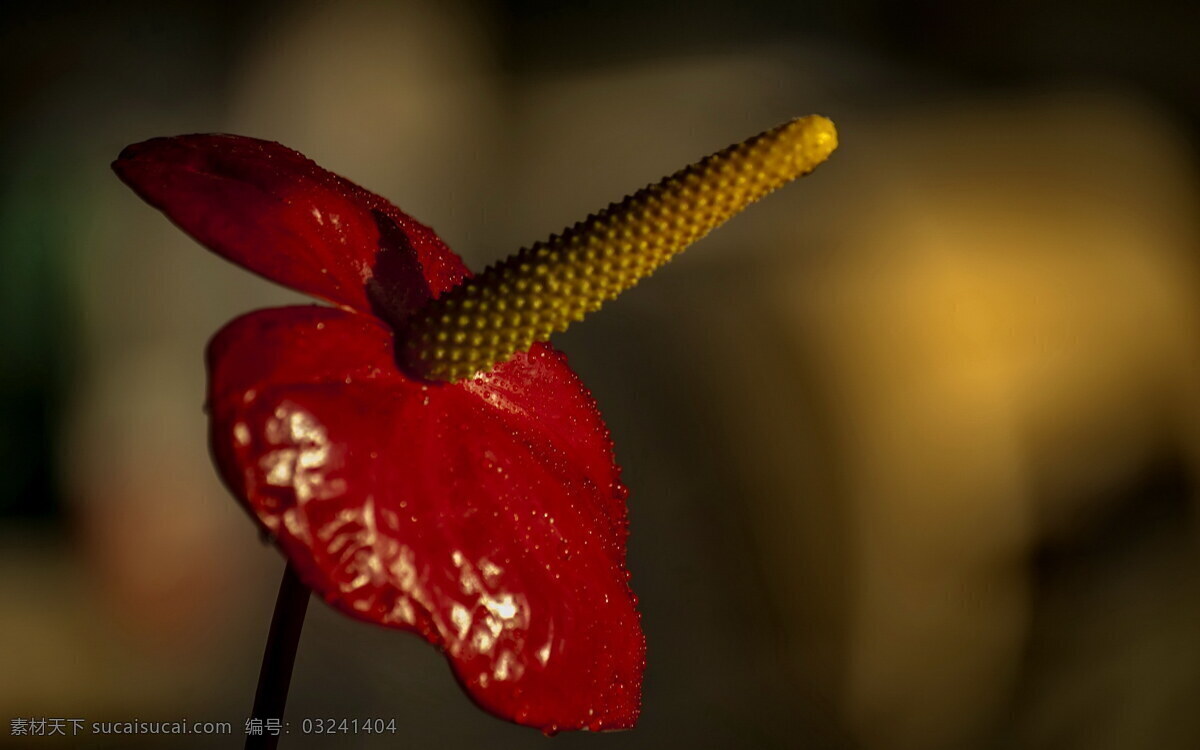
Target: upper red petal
[(275, 212), (488, 516)]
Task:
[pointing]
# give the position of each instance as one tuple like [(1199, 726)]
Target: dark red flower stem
[(275, 675)]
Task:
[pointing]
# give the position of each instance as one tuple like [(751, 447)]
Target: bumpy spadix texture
[(544, 288), (487, 516)]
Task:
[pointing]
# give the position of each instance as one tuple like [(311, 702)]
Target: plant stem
[(275, 675)]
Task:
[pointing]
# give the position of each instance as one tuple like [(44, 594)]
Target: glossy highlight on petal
[(490, 518)]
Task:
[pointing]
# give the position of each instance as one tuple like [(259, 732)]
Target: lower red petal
[(486, 516)]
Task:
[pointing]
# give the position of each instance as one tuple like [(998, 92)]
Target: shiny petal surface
[(273, 211), (487, 516)]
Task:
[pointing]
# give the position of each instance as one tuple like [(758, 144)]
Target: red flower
[(486, 515)]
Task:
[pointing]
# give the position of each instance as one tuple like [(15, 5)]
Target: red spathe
[(486, 515)]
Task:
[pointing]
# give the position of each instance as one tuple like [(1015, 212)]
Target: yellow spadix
[(544, 288)]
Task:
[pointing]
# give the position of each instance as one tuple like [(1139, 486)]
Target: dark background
[(913, 447)]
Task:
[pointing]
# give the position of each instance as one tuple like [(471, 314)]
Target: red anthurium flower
[(485, 514), (488, 515)]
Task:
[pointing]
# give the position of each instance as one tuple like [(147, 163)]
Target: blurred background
[(914, 445)]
